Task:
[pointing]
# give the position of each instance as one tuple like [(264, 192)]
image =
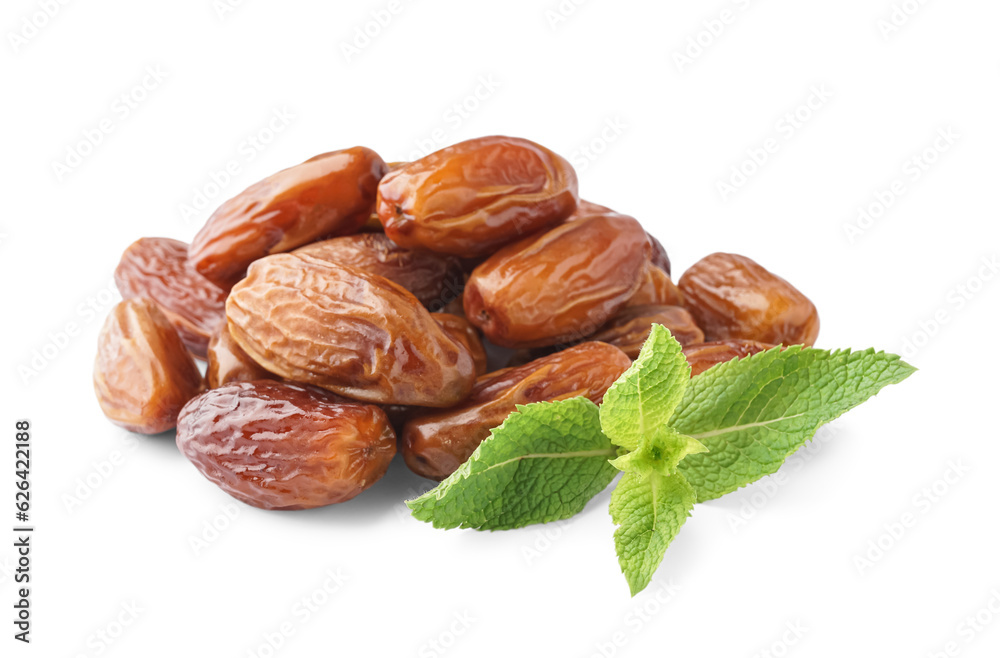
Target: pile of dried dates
[(348, 308)]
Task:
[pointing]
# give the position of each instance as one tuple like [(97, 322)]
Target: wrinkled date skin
[(704, 356), (731, 296), (559, 286), (228, 363), (459, 328), (656, 289), (158, 269), (436, 444), (435, 279), (474, 197), (331, 194), (348, 331), (280, 446), (630, 328), (143, 373)]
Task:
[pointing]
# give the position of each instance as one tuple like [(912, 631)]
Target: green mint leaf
[(753, 413), (645, 396), (660, 452), (649, 511), (542, 464)]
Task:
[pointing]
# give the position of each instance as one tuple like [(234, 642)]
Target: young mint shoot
[(678, 441)]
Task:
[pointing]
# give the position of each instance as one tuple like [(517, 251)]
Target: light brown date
[(459, 328), (731, 296), (476, 196), (280, 446), (704, 356), (436, 444), (631, 327), (158, 269), (558, 286), (143, 374), (348, 331), (331, 194), (435, 279), (228, 363)]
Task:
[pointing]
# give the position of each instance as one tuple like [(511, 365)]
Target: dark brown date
[(631, 327), (704, 356), (436, 444), (558, 286), (435, 279), (474, 197), (331, 194), (731, 296), (143, 373), (158, 269), (280, 446), (348, 331)]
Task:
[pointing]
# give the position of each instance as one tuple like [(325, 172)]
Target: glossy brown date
[(348, 331), (631, 327), (731, 296), (228, 363), (436, 444), (331, 194), (656, 289), (704, 356), (476, 196), (435, 279), (659, 255), (158, 269), (143, 373), (281, 446), (459, 328), (558, 286)]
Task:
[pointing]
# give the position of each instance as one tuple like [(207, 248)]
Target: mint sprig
[(753, 413), (649, 511), (679, 441), (542, 464)]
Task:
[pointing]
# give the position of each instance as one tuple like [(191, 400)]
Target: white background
[(659, 134)]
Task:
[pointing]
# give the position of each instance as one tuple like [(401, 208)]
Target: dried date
[(143, 373), (158, 269), (348, 331), (435, 279), (331, 194), (731, 296), (659, 255), (558, 286), (276, 445), (474, 197)]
